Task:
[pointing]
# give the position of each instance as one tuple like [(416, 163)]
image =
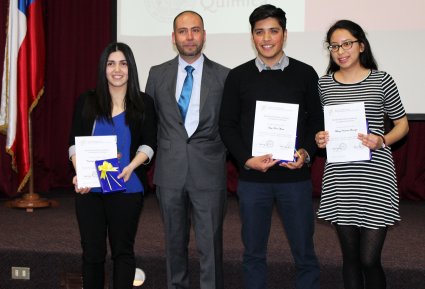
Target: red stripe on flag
[(31, 68)]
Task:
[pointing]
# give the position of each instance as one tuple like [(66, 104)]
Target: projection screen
[(395, 28)]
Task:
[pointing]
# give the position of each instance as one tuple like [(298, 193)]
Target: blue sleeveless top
[(122, 131)]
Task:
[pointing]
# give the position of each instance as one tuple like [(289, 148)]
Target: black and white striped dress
[(363, 193)]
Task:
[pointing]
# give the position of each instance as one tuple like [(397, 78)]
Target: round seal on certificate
[(165, 11), (269, 143)]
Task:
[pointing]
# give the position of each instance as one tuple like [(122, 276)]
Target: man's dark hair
[(266, 11)]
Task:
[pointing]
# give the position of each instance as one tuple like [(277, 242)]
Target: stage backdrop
[(76, 32)]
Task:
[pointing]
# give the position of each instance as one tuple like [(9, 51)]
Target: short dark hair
[(134, 106), (187, 11), (366, 57), (266, 11)]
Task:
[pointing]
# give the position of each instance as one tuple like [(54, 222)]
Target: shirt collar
[(197, 64), (281, 64)]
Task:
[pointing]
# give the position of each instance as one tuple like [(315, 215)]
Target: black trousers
[(115, 216)]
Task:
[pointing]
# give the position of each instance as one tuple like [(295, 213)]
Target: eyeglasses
[(345, 45)]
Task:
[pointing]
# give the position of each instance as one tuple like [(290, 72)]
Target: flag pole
[(30, 200)]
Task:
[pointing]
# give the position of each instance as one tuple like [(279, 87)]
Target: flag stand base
[(29, 202)]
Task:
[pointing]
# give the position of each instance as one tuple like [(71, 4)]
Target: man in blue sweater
[(273, 76)]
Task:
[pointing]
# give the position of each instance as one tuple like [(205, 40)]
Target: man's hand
[(300, 157), (261, 163)]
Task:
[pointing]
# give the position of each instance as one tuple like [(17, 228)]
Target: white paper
[(89, 149), (344, 122), (275, 130)]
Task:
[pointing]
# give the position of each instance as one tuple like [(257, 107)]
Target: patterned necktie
[(186, 92)]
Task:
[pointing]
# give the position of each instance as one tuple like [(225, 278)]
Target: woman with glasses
[(360, 198)]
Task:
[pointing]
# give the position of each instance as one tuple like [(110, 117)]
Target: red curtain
[(409, 157), (76, 33)]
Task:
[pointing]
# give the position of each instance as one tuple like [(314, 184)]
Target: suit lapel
[(170, 80), (207, 77)]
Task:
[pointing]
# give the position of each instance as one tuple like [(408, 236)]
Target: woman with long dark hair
[(115, 107), (360, 198)]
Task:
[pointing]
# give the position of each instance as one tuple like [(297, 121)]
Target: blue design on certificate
[(108, 171)]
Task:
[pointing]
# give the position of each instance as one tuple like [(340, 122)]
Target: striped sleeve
[(392, 102)]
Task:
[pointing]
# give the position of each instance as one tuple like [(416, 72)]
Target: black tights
[(361, 251)]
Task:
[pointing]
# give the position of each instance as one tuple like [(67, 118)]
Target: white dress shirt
[(192, 116)]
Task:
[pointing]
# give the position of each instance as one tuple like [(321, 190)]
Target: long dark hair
[(366, 57), (101, 104)]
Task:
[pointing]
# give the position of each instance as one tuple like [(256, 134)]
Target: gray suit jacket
[(202, 157)]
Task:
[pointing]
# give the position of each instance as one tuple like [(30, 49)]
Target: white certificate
[(344, 122), (275, 130), (89, 149)]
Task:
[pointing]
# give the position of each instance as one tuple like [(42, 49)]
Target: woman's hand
[(139, 159), (372, 141), (126, 173), (79, 190), (322, 138)]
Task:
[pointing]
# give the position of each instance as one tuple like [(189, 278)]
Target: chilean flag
[(23, 80)]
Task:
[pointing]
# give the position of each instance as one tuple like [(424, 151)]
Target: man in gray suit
[(190, 172)]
